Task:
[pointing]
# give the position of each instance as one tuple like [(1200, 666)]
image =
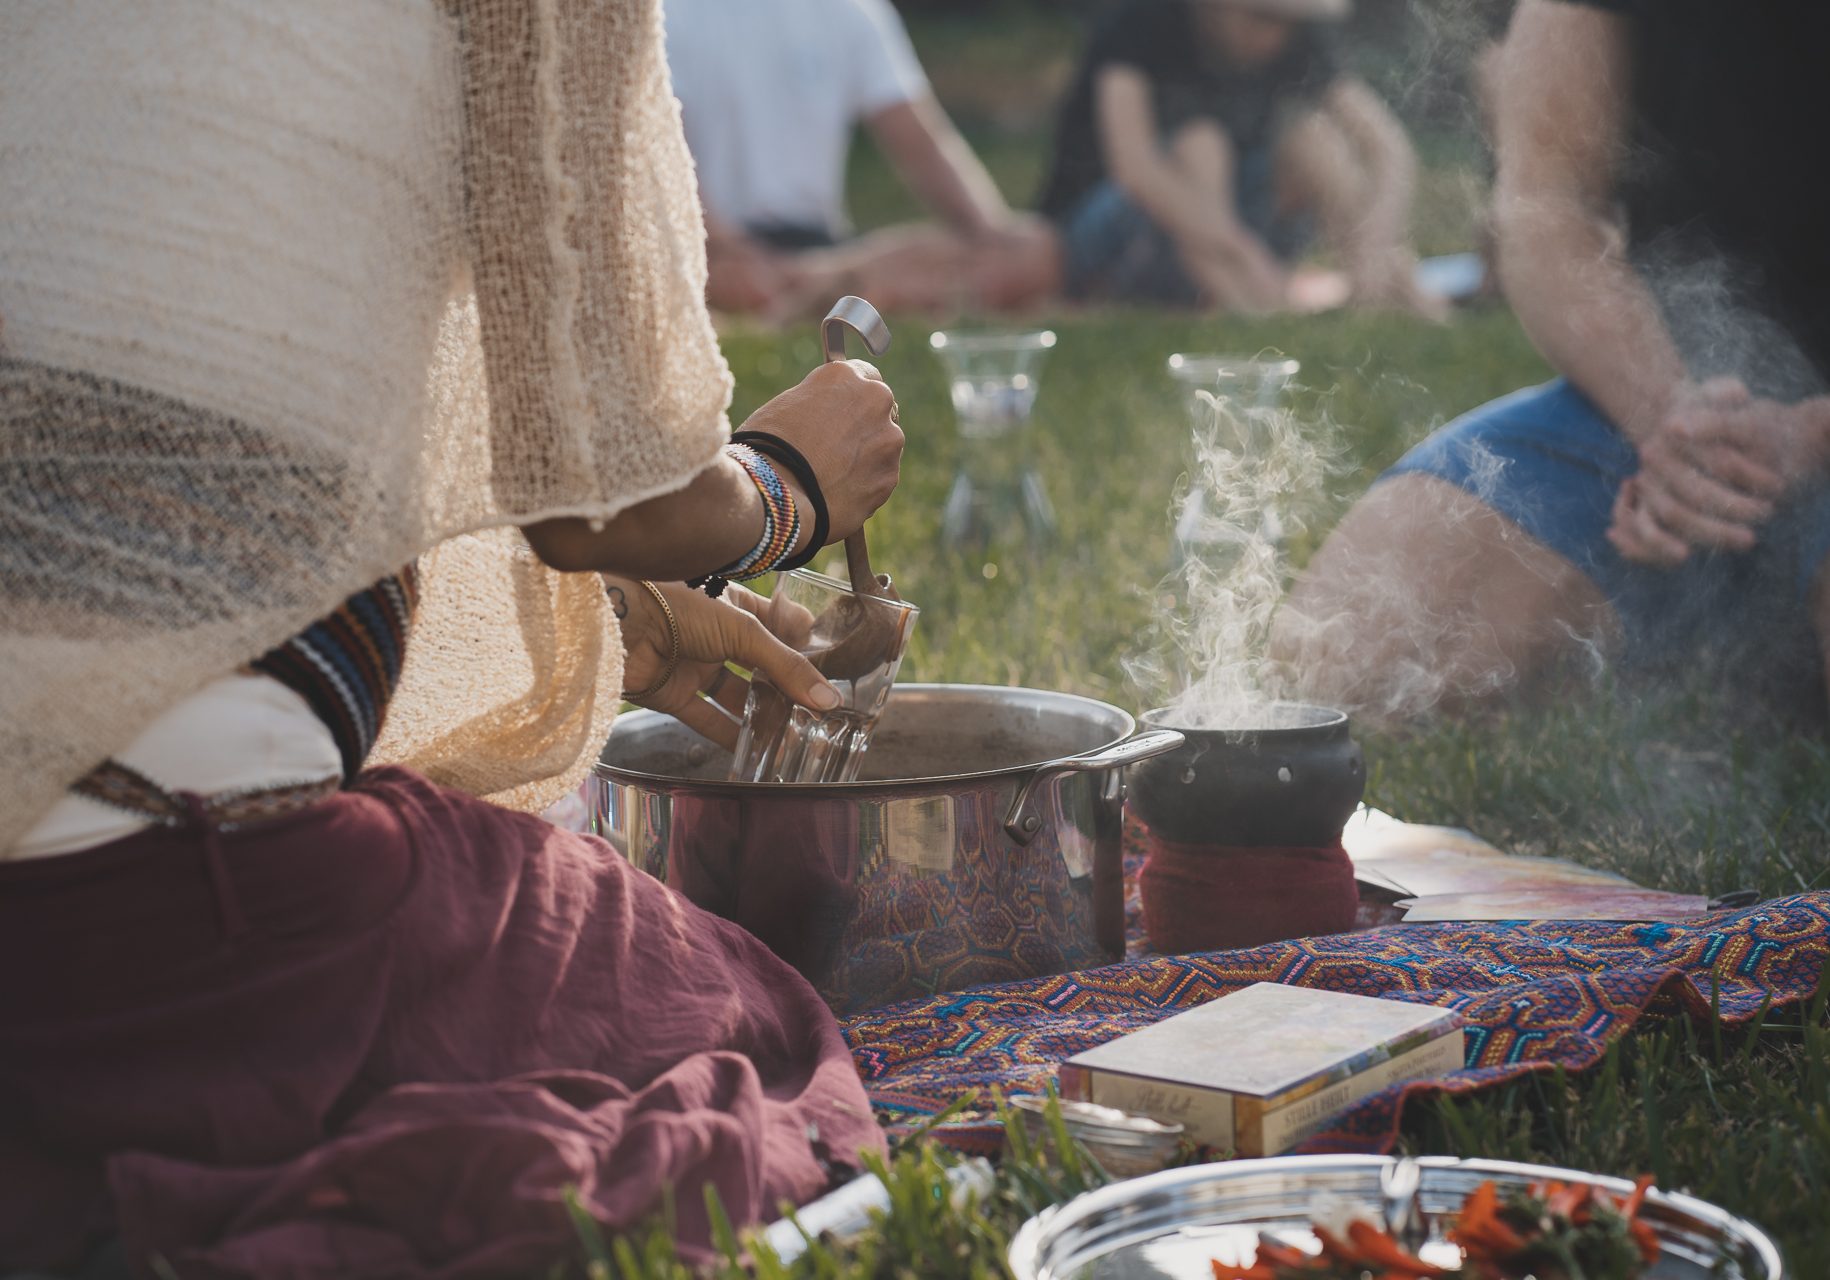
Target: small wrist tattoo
[(618, 604)]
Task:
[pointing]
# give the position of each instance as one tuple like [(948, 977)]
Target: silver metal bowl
[(1172, 1225), (1126, 1145)]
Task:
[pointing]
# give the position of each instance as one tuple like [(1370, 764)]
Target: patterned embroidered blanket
[(1535, 996)]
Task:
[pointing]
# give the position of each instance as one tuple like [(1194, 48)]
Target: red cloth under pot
[(1223, 898)]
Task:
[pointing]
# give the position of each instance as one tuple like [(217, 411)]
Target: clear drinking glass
[(1248, 390), (857, 642), (1252, 382), (994, 377)]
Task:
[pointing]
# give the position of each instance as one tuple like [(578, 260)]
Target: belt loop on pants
[(228, 907)]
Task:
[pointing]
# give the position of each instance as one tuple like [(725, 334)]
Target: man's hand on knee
[(1711, 472)]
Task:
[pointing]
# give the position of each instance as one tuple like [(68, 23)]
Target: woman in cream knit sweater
[(351, 350)]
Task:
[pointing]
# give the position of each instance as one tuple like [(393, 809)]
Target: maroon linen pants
[(383, 1037)]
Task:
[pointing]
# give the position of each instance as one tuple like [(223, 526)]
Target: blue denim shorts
[(1546, 459), (1114, 252)]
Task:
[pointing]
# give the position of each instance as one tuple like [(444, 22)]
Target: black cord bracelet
[(776, 449)]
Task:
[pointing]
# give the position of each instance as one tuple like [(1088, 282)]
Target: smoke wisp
[(1259, 478)]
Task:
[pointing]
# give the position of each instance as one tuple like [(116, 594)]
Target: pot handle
[(1021, 823)]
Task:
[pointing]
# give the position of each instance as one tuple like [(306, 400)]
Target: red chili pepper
[(1380, 1250), (1567, 1201), (1478, 1226), (1281, 1255), (1227, 1271), (1335, 1247), (1646, 1238)]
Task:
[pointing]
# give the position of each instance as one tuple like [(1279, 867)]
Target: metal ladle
[(874, 635), (871, 635)]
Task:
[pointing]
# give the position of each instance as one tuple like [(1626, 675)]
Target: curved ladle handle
[(854, 313), (862, 319), (1021, 824)]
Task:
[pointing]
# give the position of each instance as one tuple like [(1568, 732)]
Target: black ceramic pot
[(1292, 779)]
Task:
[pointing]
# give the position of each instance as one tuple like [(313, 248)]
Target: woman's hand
[(843, 419), (712, 633)]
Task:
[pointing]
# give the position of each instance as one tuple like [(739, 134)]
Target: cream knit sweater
[(296, 293)]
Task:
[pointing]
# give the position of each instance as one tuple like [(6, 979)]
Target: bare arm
[(1232, 265), (839, 417), (1138, 164), (1706, 474), (938, 166), (1563, 86), (715, 519)]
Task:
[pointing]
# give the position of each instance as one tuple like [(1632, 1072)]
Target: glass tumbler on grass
[(857, 643), (994, 378), (1246, 391)]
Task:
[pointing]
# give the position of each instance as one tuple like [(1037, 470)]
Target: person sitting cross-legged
[(771, 92), (1664, 498), (1205, 141)]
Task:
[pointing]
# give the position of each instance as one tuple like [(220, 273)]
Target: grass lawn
[(1676, 788)]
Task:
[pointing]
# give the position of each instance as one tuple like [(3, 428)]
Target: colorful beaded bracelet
[(780, 452), (781, 525)]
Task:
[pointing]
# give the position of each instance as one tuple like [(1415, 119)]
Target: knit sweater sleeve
[(605, 380)]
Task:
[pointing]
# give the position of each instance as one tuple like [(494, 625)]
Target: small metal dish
[(1173, 1224), (1126, 1145)]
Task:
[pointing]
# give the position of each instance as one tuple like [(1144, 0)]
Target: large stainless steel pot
[(980, 845)]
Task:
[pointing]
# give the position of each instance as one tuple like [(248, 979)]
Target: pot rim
[(801, 790), (1324, 718)]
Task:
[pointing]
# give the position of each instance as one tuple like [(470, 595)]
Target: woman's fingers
[(792, 623), (1731, 443), (750, 644), (1725, 392), (1695, 527), (1734, 466)]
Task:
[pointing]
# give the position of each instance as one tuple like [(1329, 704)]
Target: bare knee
[(1425, 596), (1318, 168)]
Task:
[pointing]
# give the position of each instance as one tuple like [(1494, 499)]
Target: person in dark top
[(1204, 141), (1660, 210)]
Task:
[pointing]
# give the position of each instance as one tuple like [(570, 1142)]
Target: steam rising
[(1379, 634), (1259, 475)]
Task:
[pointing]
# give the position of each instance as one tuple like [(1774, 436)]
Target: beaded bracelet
[(781, 518), (779, 450), (781, 525)]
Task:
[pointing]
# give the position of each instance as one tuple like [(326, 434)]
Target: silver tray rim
[(1028, 1254)]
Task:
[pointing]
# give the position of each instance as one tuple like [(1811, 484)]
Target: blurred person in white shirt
[(771, 92)]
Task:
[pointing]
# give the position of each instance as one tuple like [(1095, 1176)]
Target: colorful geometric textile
[(1534, 996)]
